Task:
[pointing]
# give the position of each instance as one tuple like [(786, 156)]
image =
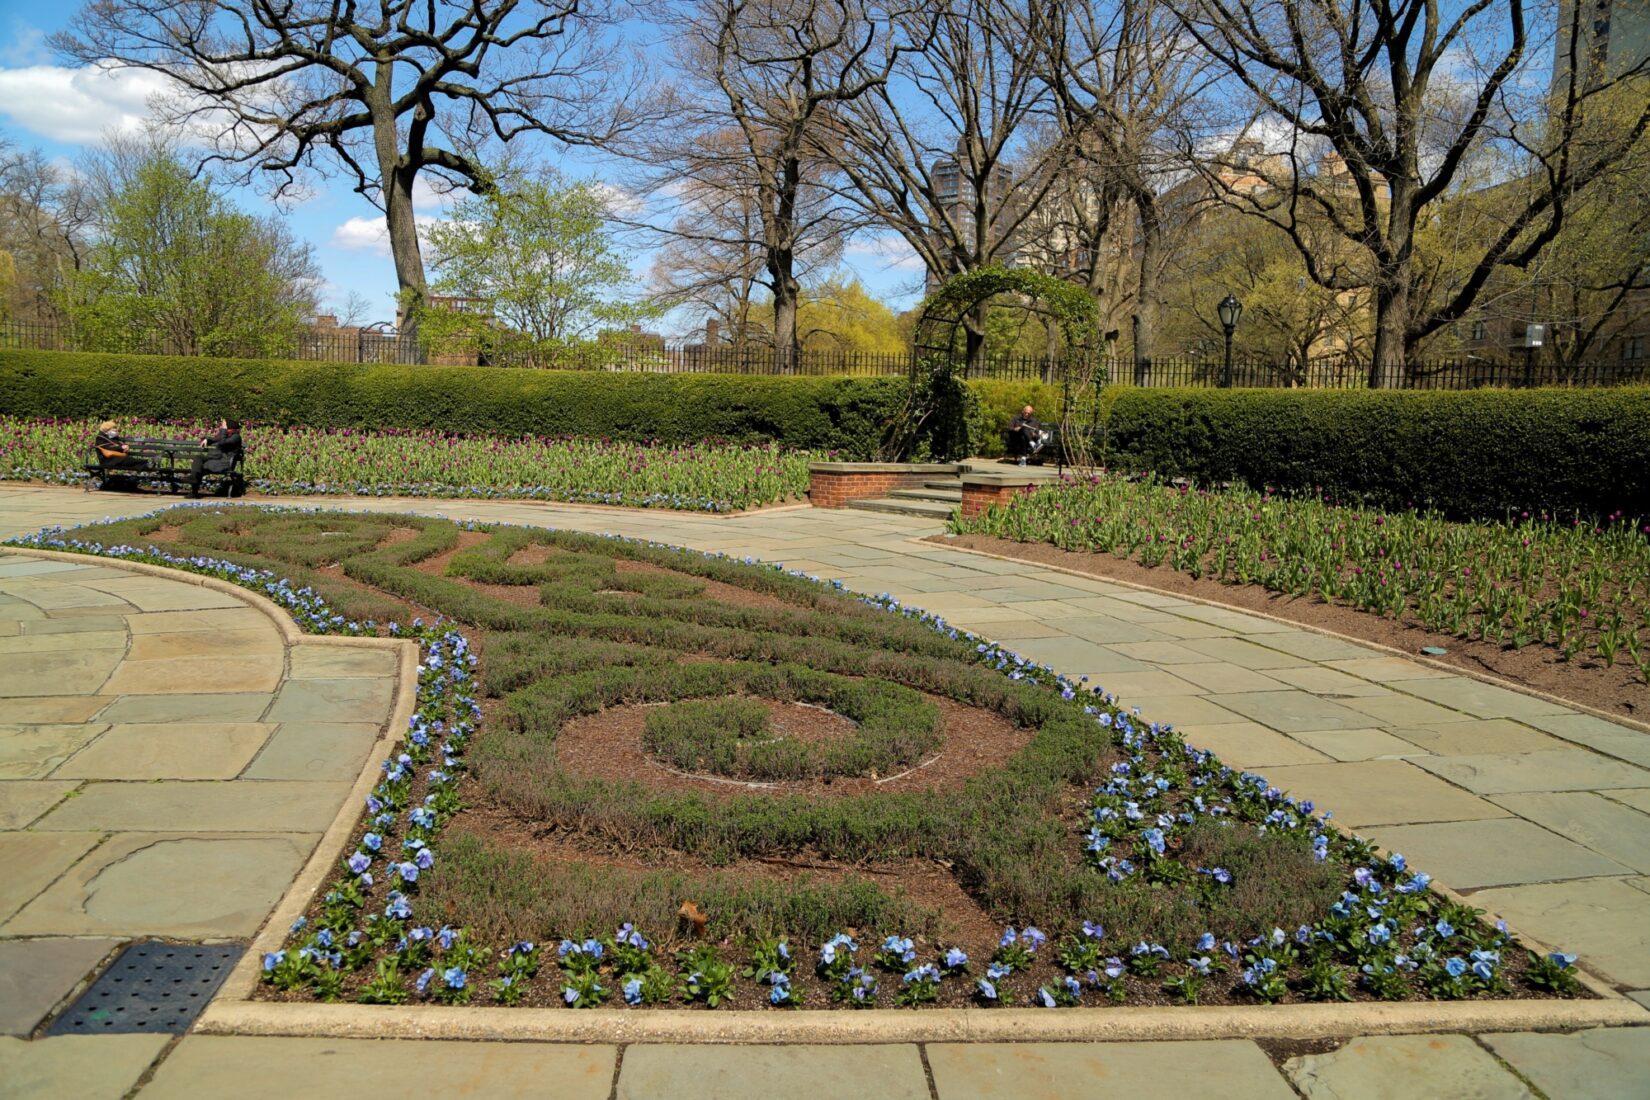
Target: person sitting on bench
[(113, 452), (1024, 436), (226, 444)]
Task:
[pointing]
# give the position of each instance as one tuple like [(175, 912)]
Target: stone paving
[(1537, 811), (162, 771)]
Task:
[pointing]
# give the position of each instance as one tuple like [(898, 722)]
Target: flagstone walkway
[(1538, 811), (167, 764)]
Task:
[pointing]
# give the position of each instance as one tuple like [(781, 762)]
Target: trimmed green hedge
[(1478, 453), (842, 414), (1474, 453)]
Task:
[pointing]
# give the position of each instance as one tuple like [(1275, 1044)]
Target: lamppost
[(1229, 309)]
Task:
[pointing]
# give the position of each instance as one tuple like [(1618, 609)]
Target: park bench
[(169, 462)]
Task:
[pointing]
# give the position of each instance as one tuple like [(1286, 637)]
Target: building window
[(1479, 331), (1632, 347)]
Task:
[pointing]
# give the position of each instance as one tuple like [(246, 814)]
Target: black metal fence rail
[(386, 347)]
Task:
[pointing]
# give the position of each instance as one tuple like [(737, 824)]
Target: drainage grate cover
[(154, 987)]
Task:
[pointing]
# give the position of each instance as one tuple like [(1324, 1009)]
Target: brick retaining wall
[(834, 484), (981, 491)]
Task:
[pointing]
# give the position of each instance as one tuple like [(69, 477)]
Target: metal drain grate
[(154, 987)]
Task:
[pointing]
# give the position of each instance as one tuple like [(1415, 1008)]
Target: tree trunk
[(404, 248), (1051, 348), (395, 176), (780, 230), (1387, 369), (974, 340), (786, 291), (1143, 321)]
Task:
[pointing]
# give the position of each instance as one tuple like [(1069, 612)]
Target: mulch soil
[(1615, 690), (608, 745)]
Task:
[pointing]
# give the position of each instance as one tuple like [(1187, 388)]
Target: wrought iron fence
[(367, 345), (373, 345)]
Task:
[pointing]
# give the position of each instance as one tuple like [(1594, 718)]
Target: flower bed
[(1128, 867), (286, 461), (1581, 589)]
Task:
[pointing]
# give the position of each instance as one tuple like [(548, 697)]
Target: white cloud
[(363, 235), (426, 197), (371, 234), (619, 201), (888, 252), (78, 106)]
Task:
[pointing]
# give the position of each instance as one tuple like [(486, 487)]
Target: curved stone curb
[(979, 1025), (1441, 666), (244, 978), (290, 634), (324, 861)]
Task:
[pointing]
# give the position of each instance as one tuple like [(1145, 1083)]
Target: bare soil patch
[(608, 745), (522, 595), (536, 554), (713, 590), (436, 564), (1617, 690)]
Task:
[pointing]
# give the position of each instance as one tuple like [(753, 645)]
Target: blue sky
[(49, 104)]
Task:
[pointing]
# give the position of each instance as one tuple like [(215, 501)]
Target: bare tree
[(1125, 78), (381, 90), (758, 83), (1405, 93), (712, 258), (45, 219), (945, 152)]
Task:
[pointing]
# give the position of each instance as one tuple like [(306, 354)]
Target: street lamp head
[(1229, 309)]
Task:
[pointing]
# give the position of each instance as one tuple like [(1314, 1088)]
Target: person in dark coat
[(1024, 436), (226, 448), (113, 453)]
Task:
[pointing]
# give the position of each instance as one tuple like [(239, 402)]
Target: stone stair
[(937, 499)]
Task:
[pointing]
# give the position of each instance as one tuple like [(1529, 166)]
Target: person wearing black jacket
[(113, 452), (226, 448), (1024, 436)]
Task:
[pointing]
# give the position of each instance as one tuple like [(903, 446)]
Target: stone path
[(167, 763), (1540, 812)]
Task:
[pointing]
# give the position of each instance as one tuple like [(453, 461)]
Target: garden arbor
[(935, 412)]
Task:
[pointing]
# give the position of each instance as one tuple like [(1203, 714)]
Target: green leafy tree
[(531, 274), (174, 267), (840, 315)]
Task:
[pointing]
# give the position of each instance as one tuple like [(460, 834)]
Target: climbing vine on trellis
[(934, 422), (942, 311)]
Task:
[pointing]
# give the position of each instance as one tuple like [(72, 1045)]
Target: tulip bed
[(1126, 867), (288, 461), (1581, 588)]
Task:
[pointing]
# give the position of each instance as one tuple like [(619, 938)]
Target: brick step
[(927, 509), (948, 496)]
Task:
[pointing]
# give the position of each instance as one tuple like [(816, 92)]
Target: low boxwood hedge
[(1477, 453), (842, 414)]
